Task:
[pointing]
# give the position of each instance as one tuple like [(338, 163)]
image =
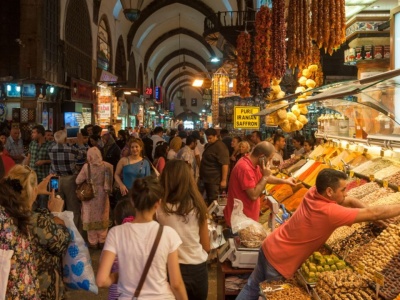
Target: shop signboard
[(158, 94), (104, 111), (244, 117)]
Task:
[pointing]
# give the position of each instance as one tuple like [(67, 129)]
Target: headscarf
[(175, 144), (94, 156)]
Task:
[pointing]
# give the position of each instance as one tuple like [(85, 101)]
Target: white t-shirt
[(191, 251), (156, 138), (132, 243)]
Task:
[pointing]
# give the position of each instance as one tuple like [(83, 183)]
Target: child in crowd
[(308, 147), (123, 212)]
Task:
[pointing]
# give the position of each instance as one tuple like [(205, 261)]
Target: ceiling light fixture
[(198, 82), (215, 59), (132, 9)]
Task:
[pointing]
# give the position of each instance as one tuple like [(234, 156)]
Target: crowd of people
[(142, 179)]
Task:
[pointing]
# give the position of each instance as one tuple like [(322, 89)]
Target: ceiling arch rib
[(157, 5), (174, 54), (177, 76), (180, 65), (187, 78), (187, 84), (172, 33)]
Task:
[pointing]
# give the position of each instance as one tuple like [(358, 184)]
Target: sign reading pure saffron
[(244, 117)]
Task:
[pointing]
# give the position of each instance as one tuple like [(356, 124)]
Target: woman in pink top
[(160, 156)]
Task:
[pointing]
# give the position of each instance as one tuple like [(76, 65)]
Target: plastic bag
[(5, 263), (251, 233), (77, 265)]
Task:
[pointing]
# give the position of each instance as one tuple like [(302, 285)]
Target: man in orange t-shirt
[(324, 208)]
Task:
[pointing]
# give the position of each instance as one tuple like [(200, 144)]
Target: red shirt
[(287, 247), (244, 176), (8, 163)]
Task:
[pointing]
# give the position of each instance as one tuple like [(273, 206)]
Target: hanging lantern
[(179, 94), (131, 9), (220, 88)]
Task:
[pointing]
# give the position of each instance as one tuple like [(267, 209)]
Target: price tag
[(360, 269), (382, 153), (379, 278), (351, 174), (372, 177), (358, 180), (385, 183)]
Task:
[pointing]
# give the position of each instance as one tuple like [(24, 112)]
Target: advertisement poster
[(104, 110)]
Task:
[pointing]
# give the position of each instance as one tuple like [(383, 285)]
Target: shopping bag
[(77, 266), (5, 263)]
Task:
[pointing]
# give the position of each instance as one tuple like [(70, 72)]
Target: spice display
[(307, 172), (355, 182), (359, 160), (278, 290), (341, 233), (365, 189), (298, 34), (373, 166), (294, 201), (386, 172), (278, 43), (262, 47), (393, 179), (310, 180), (281, 192), (343, 284), (328, 24), (380, 252), (354, 241), (243, 58)]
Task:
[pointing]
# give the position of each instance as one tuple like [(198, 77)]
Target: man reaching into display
[(324, 208)]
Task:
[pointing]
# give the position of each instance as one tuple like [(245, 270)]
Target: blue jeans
[(263, 271)]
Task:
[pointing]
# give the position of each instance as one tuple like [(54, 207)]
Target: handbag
[(85, 191), (148, 263)]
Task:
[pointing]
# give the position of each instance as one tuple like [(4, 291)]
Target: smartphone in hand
[(54, 184)]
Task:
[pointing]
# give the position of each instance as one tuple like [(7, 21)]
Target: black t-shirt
[(214, 157)]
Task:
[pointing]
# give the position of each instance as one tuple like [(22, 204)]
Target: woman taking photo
[(95, 212), (183, 208), (38, 239), (131, 167), (132, 243)]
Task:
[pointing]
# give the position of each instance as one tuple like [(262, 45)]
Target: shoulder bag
[(85, 191), (148, 263)]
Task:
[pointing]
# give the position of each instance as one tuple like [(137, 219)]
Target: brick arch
[(174, 54), (156, 5), (172, 33)]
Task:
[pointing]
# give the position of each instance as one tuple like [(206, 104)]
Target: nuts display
[(393, 198), (353, 242), (386, 172), (362, 191), (373, 166), (252, 236), (394, 179), (291, 290), (343, 284), (341, 233), (374, 197), (380, 252)]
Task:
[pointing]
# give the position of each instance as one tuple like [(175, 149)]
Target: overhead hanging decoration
[(243, 58), (132, 9), (298, 34), (278, 43), (262, 63), (328, 24), (220, 88)]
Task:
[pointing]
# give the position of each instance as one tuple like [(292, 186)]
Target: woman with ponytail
[(132, 243)]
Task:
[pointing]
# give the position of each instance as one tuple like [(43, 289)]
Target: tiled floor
[(103, 293)]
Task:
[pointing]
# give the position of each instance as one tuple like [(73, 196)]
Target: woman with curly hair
[(183, 208), (37, 238)]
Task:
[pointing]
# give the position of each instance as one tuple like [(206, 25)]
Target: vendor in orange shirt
[(324, 208)]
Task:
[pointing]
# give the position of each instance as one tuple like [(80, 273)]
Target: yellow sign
[(244, 119)]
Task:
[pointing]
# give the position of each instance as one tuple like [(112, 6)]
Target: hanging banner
[(244, 117), (104, 111)]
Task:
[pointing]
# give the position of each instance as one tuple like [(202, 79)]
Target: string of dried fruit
[(314, 20), (332, 31), (243, 58), (328, 23), (298, 34), (315, 74), (262, 64), (278, 43)]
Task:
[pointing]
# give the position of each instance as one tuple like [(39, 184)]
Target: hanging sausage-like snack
[(278, 43), (243, 48), (314, 19), (327, 20), (320, 38), (332, 31)]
